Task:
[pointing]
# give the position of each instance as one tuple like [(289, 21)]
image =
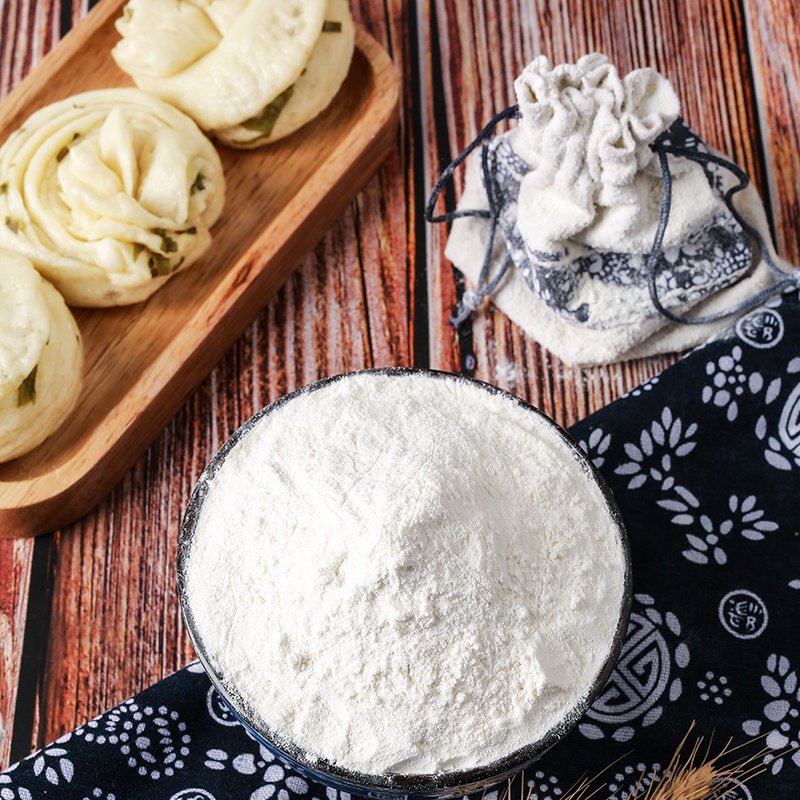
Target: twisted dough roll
[(249, 71), (109, 193), (41, 357)]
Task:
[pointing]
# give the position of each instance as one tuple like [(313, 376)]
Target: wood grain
[(27, 32), (376, 291), (280, 199), (15, 563), (775, 54)]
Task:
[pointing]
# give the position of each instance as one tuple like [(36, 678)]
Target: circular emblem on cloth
[(743, 614), (731, 789), (193, 794), (643, 678), (218, 710), (761, 328)]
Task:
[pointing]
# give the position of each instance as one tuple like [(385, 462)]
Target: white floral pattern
[(53, 764), (729, 381), (714, 688), (334, 794), (708, 544), (633, 780), (543, 787), (155, 741), (781, 715), (651, 458), (707, 540), (751, 522), (595, 446), (274, 772), (8, 791), (643, 388), (782, 439)]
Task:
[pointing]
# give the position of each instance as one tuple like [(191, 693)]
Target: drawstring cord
[(471, 300)]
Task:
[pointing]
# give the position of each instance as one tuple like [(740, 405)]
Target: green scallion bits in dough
[(199, 184), (265, 121), (159, 265), (27, 389), (168, 244)]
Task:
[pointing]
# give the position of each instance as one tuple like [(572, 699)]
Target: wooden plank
[(27, 32), (115, 623), (15, 562), (774, 35), (477, 51)]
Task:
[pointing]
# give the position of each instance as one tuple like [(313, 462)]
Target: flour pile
[(405, 574)]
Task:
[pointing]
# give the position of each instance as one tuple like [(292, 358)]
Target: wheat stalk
[(695, 777), (690, 774)]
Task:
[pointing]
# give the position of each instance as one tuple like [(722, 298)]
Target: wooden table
[(89, 614)]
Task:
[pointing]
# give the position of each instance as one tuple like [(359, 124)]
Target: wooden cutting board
[(142, 361)]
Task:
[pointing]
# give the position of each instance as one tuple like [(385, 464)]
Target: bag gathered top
[(602, 224)]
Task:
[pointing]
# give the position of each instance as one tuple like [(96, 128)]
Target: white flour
[(405, 575)]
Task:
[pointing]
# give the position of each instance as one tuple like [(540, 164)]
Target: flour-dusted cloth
[(573, 197), (704, 461)]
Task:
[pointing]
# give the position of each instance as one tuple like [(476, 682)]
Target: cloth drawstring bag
[(602, 224)]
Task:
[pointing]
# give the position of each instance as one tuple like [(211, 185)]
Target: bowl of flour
[(404, 582)]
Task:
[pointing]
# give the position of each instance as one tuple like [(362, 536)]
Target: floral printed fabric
[(705, 465)]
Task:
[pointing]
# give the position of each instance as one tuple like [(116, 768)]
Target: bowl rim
[(423, 784)]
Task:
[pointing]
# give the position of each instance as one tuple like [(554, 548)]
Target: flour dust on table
[(711, 639)]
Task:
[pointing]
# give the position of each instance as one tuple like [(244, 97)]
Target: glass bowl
[(392, 787)]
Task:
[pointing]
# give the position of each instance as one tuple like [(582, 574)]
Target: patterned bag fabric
[(704, 461), (604, 289)]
